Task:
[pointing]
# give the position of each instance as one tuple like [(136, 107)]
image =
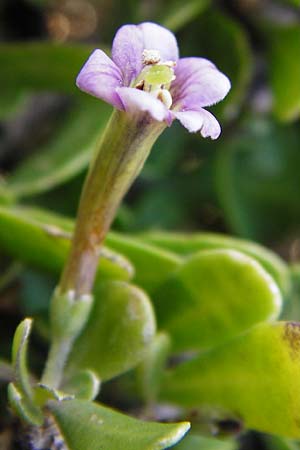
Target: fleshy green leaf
[(284, 50), (20, 393), (186, 244), (153, 265), (19, 357), (193, 442), (118, 333), (150, 371), (255, 378), (85, 385), (214, 296), (45, 245), (65, 155), (22, 407), (86, 425)]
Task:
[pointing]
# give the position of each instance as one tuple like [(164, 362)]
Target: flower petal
[(131, 40), (135, 100), (159, 38), (198, 83), (99, 77), (127, 52), (200, 120)]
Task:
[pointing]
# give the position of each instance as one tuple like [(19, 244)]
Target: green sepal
[(23, 409), (68, 314), (254, 378), (87, 425), (84, 385)]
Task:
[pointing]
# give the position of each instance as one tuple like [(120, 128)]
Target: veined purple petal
[(99, 77), (131, 40), (127, 49), (198, 83), (200, 120), (135, 101), (156, 37)]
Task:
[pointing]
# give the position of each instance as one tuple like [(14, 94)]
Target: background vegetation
[(245, 184)]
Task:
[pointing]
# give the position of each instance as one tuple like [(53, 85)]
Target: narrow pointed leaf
[(214, 296), (45, 245), (24, 409), (118, 333), (19, 358), (254, 378), (65, 155), (86, 425)]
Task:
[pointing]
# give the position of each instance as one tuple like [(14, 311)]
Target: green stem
[(123, 149), (119, 158), (58, 354)]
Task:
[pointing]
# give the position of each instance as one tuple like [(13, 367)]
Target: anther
[(150, 57)]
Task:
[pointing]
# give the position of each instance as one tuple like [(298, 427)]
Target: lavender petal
[(130, 42), (99, 77), (200, 120), (136, 101), (198, 83)]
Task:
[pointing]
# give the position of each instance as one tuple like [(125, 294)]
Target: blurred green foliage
[(247, 183)]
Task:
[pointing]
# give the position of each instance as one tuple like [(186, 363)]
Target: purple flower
[(145, 74)]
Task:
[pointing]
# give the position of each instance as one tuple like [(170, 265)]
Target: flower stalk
[(149, 87), (120, 156)]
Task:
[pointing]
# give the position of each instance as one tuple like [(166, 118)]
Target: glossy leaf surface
[(153, 265), (214, 296), (186, 244), (45, 245), (150, 371), (255, 378), (86, 425), (120, 328)]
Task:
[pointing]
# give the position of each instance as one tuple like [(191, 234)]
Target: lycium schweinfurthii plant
[(149, 86), (221, 301)]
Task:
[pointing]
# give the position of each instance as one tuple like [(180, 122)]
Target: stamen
[(150, 57), (165, 97), (140, 85)]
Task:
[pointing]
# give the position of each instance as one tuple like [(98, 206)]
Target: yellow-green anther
[(158, 74)]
